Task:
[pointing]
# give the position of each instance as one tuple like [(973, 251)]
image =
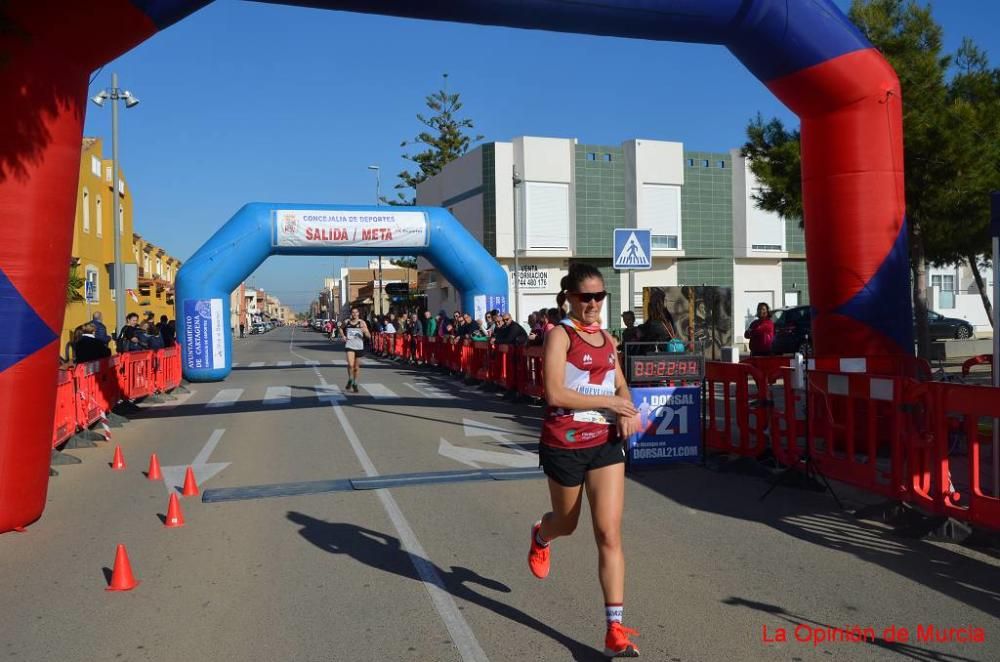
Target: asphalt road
[(437, 571)]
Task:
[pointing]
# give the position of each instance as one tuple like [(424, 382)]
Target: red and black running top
[(590, 370)]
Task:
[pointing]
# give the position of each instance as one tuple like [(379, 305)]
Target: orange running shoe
[(538, 556), (616, 641)]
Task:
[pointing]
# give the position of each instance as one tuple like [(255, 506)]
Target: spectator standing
[(630, 333), (761, 331), (100, 331), (87, 346), (167, 331), (430, 324), (128, 340)]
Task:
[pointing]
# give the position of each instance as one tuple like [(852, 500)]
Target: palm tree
[(73, 286)]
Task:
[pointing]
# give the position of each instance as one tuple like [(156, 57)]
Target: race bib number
[(594, 416)]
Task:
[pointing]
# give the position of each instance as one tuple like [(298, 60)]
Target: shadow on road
[(384, 552), (813, 518)]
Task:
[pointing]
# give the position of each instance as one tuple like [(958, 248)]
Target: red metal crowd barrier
[(168, 369), (949, 481), (856, 430), (90, 390), (138, 379), (64, 423), (740, 431), (86, 384)]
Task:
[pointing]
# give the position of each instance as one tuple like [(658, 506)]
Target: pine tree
[(444, 140)]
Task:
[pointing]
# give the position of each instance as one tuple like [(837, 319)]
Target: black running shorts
[(358, 353), (568, 466)]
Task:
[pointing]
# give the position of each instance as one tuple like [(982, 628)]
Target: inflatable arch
[(806, 52), (261, 229)]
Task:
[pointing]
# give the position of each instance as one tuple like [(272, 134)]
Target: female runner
[(590, 413), (355, 332)]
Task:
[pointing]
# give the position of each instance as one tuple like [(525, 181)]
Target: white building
[(570, 198)]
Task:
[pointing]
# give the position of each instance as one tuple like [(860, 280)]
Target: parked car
[(792, 330), (942, 327)]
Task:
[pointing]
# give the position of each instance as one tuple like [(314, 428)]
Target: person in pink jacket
[(761, 331)]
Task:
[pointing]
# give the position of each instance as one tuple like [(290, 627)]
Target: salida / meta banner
[(350, 228)]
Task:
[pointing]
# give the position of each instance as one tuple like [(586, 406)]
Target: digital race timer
[(667, 367)]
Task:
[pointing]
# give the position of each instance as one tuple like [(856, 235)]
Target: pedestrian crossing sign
[(633, 249)]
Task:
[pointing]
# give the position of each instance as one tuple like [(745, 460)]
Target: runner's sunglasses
[(587, 297)]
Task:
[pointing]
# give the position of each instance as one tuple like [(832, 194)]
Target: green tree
[(444, 139), (777, 161), (939, 122), (972, 154), (405, 262)]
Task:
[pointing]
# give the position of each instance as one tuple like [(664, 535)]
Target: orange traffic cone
[(122, 578), (154, 468), (175, 518), (190, 484), (118, 463)]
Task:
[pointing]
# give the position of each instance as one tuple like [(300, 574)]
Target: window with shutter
[(547, 215), (661, 213)]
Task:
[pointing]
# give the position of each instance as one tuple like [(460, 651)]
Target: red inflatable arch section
[(806, 52)]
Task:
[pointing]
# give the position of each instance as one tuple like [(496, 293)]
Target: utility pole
[(378, 202), (116, 95), (517, 245)]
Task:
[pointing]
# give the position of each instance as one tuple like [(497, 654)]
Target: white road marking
[(459, 630), (478, 429), (278, 395), (257, 364), (312, 362), (173, 476), (284, 364), (329, 393), (339, 363), (474, 456), (235, 364), (227, 397), (378, 391), (428, 391)]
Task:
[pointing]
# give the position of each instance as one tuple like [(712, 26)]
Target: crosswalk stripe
[(428, 391), (339, 363), (236, 364), (278, 395), (310, 362), (378, 391), (227, 397), (329, 393), (284, 364), (257, 364)]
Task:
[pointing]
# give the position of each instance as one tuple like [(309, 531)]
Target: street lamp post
[(517, 246), (115, 95), (378, 202)]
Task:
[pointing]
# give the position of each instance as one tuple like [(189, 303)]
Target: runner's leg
[(565, 513), (606, 494), (351, 360)]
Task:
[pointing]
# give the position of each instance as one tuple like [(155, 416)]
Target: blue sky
[(245, 101)]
